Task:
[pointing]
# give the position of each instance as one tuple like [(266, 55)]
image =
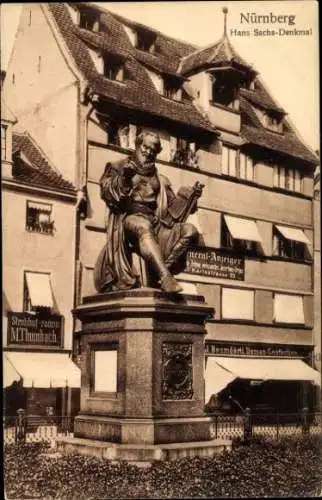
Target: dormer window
[(248, 84), (273, 122), (113, 69), (145, 41), (172, 89), (89, 21), (225, 92)]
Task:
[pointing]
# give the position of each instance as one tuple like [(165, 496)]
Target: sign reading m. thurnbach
[(35, 330), (215, 263)]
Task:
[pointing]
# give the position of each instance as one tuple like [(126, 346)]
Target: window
[(118, 135), (245, 167), (229, 161), (37, 292), (288, 308), (225, 93), (38, 218), (4, 142), (273, 122), (89, 21), (145, 41), (185, 153), (237, 304), (240, 235), (105, 369), (290, 243), (287, 178), (113, 70), (172, 90)]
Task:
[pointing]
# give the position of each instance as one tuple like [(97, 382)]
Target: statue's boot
[(150, 251), (178, 250)]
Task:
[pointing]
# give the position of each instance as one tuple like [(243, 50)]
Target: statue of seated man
[(145, 216)]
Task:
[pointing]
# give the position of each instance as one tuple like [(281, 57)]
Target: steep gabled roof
[(173, 58), (222, 52), (137, 91), (287, 143), (31, 166)]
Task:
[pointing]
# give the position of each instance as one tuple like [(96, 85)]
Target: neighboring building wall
[(317, 277), (30, 251), (43, 92), (222, 196)]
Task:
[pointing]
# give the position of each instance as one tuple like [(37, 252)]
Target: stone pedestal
[(154, 393)]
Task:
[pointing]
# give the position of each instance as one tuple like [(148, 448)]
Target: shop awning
[(220, 371), (243, 229), (40, 369), (291, 233), (39, 289), (41, 207), (10, 374)]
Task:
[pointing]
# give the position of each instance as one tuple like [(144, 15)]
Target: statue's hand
[(128, 171), (198, 189)]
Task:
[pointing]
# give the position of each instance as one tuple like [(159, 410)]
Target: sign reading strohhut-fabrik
[(34, 329), (215, 263)]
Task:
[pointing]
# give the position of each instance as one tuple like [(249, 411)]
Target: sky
[(288, 63)]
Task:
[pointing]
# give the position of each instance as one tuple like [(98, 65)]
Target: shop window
[(229, 161), (4, 142), (289, 248), (237, 304), (288, 308), (37, 292), (241, 235), (104, 369), (287, 178), (89, 21), (38, 218)]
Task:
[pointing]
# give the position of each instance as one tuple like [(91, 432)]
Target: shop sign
[(247, 350), (34, 329), (215, 263)]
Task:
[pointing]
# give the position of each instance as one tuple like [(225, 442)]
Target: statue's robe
[(113, 269)]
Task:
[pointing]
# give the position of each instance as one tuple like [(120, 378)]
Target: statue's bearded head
[(148, 146)]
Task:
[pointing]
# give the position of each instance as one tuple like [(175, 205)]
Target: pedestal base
[(142, 455), (143, 430), (154, 407)]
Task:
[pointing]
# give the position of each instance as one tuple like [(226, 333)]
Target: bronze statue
[(145, 216)]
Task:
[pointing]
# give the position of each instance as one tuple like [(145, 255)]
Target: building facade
[(38, 207), (96, 79)]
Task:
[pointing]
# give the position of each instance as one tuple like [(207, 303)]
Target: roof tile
[(38, 172)]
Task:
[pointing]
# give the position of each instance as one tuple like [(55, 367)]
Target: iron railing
[(273, 425), (23, 428)]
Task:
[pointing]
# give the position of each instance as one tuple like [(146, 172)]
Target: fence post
[(247, 425), (305, 422), (20, 435), (277, 426)]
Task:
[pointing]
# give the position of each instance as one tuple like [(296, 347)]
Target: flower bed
[(261, 468)]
